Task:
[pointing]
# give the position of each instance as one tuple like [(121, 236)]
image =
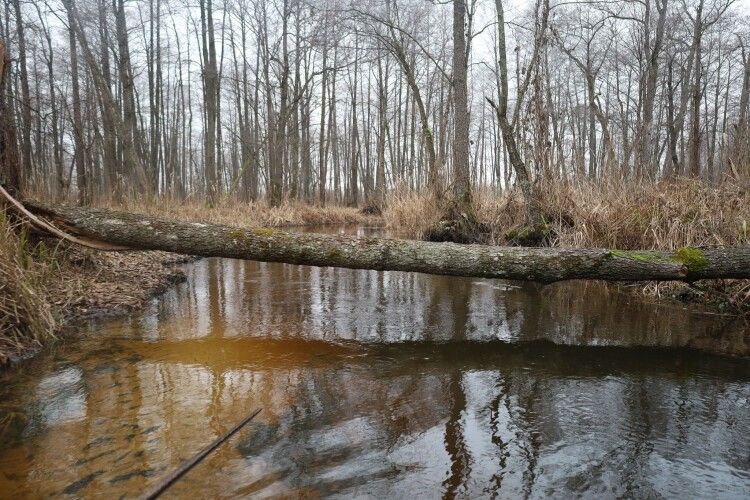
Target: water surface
[(385, 384)]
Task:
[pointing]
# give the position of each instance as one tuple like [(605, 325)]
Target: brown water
[(384, 384)]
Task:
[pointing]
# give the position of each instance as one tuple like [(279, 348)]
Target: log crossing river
[(384, 384)]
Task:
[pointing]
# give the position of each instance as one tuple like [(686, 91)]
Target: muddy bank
[(74, 284), (106, 284)]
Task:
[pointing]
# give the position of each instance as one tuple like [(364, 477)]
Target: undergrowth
[(623, 215), (26, 316)]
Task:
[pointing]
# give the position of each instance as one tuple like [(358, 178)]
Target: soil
[(91, 283)]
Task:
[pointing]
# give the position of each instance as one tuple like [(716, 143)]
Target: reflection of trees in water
[(284, 301), (454, 439), (401, 414), (382, 421), (342, 419)]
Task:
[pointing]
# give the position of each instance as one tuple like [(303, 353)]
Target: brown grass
[(631, 215), (253, 214), (26, 319)]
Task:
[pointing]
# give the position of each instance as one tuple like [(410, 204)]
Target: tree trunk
[(129, 132), (139, 232), (10, 174), (696, 93), (382, 130), (210, 96), (25, 97), (354, 137), (533, 214), (647, 142), (110, 167), (80, 147), (461, 180)]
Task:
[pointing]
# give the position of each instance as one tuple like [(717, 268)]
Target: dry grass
[(410, 214), (26, 319), (664, 216), (253, 214), (627, 215)]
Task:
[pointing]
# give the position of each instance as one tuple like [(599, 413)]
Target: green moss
[(520, 233), (236, 233), (266, 232), (334, 254), (642, 256), (693, 258), (540, 234)]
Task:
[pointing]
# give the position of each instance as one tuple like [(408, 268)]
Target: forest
[(331, 102), (376, 248)]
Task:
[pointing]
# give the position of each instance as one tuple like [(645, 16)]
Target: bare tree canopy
[(338, 101)]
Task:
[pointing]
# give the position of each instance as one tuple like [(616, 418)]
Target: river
[(384, 384)]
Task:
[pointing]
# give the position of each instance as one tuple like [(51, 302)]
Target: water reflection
[(384, 385), (229, 298)]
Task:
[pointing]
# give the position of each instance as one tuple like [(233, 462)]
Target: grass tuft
[(26, 318)]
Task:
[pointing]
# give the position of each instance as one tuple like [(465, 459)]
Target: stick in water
[(186, 466)]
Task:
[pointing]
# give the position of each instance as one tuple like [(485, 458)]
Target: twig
[(186, 466)]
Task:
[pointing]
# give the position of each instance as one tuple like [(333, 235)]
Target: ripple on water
[(384, 385)]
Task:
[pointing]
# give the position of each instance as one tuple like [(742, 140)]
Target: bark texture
[(140, 232)]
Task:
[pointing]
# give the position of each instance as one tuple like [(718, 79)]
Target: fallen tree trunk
[(140, 232)]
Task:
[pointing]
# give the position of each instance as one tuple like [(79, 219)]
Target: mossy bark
[(141, 232)]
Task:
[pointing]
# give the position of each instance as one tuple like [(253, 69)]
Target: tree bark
[(461, 178), (109, 153), (210, 97), (25, 97), (82, 182), (140, 232), (10, 173), (129, 133)]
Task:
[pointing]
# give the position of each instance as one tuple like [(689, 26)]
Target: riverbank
[(47, 284), (624, 215)]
